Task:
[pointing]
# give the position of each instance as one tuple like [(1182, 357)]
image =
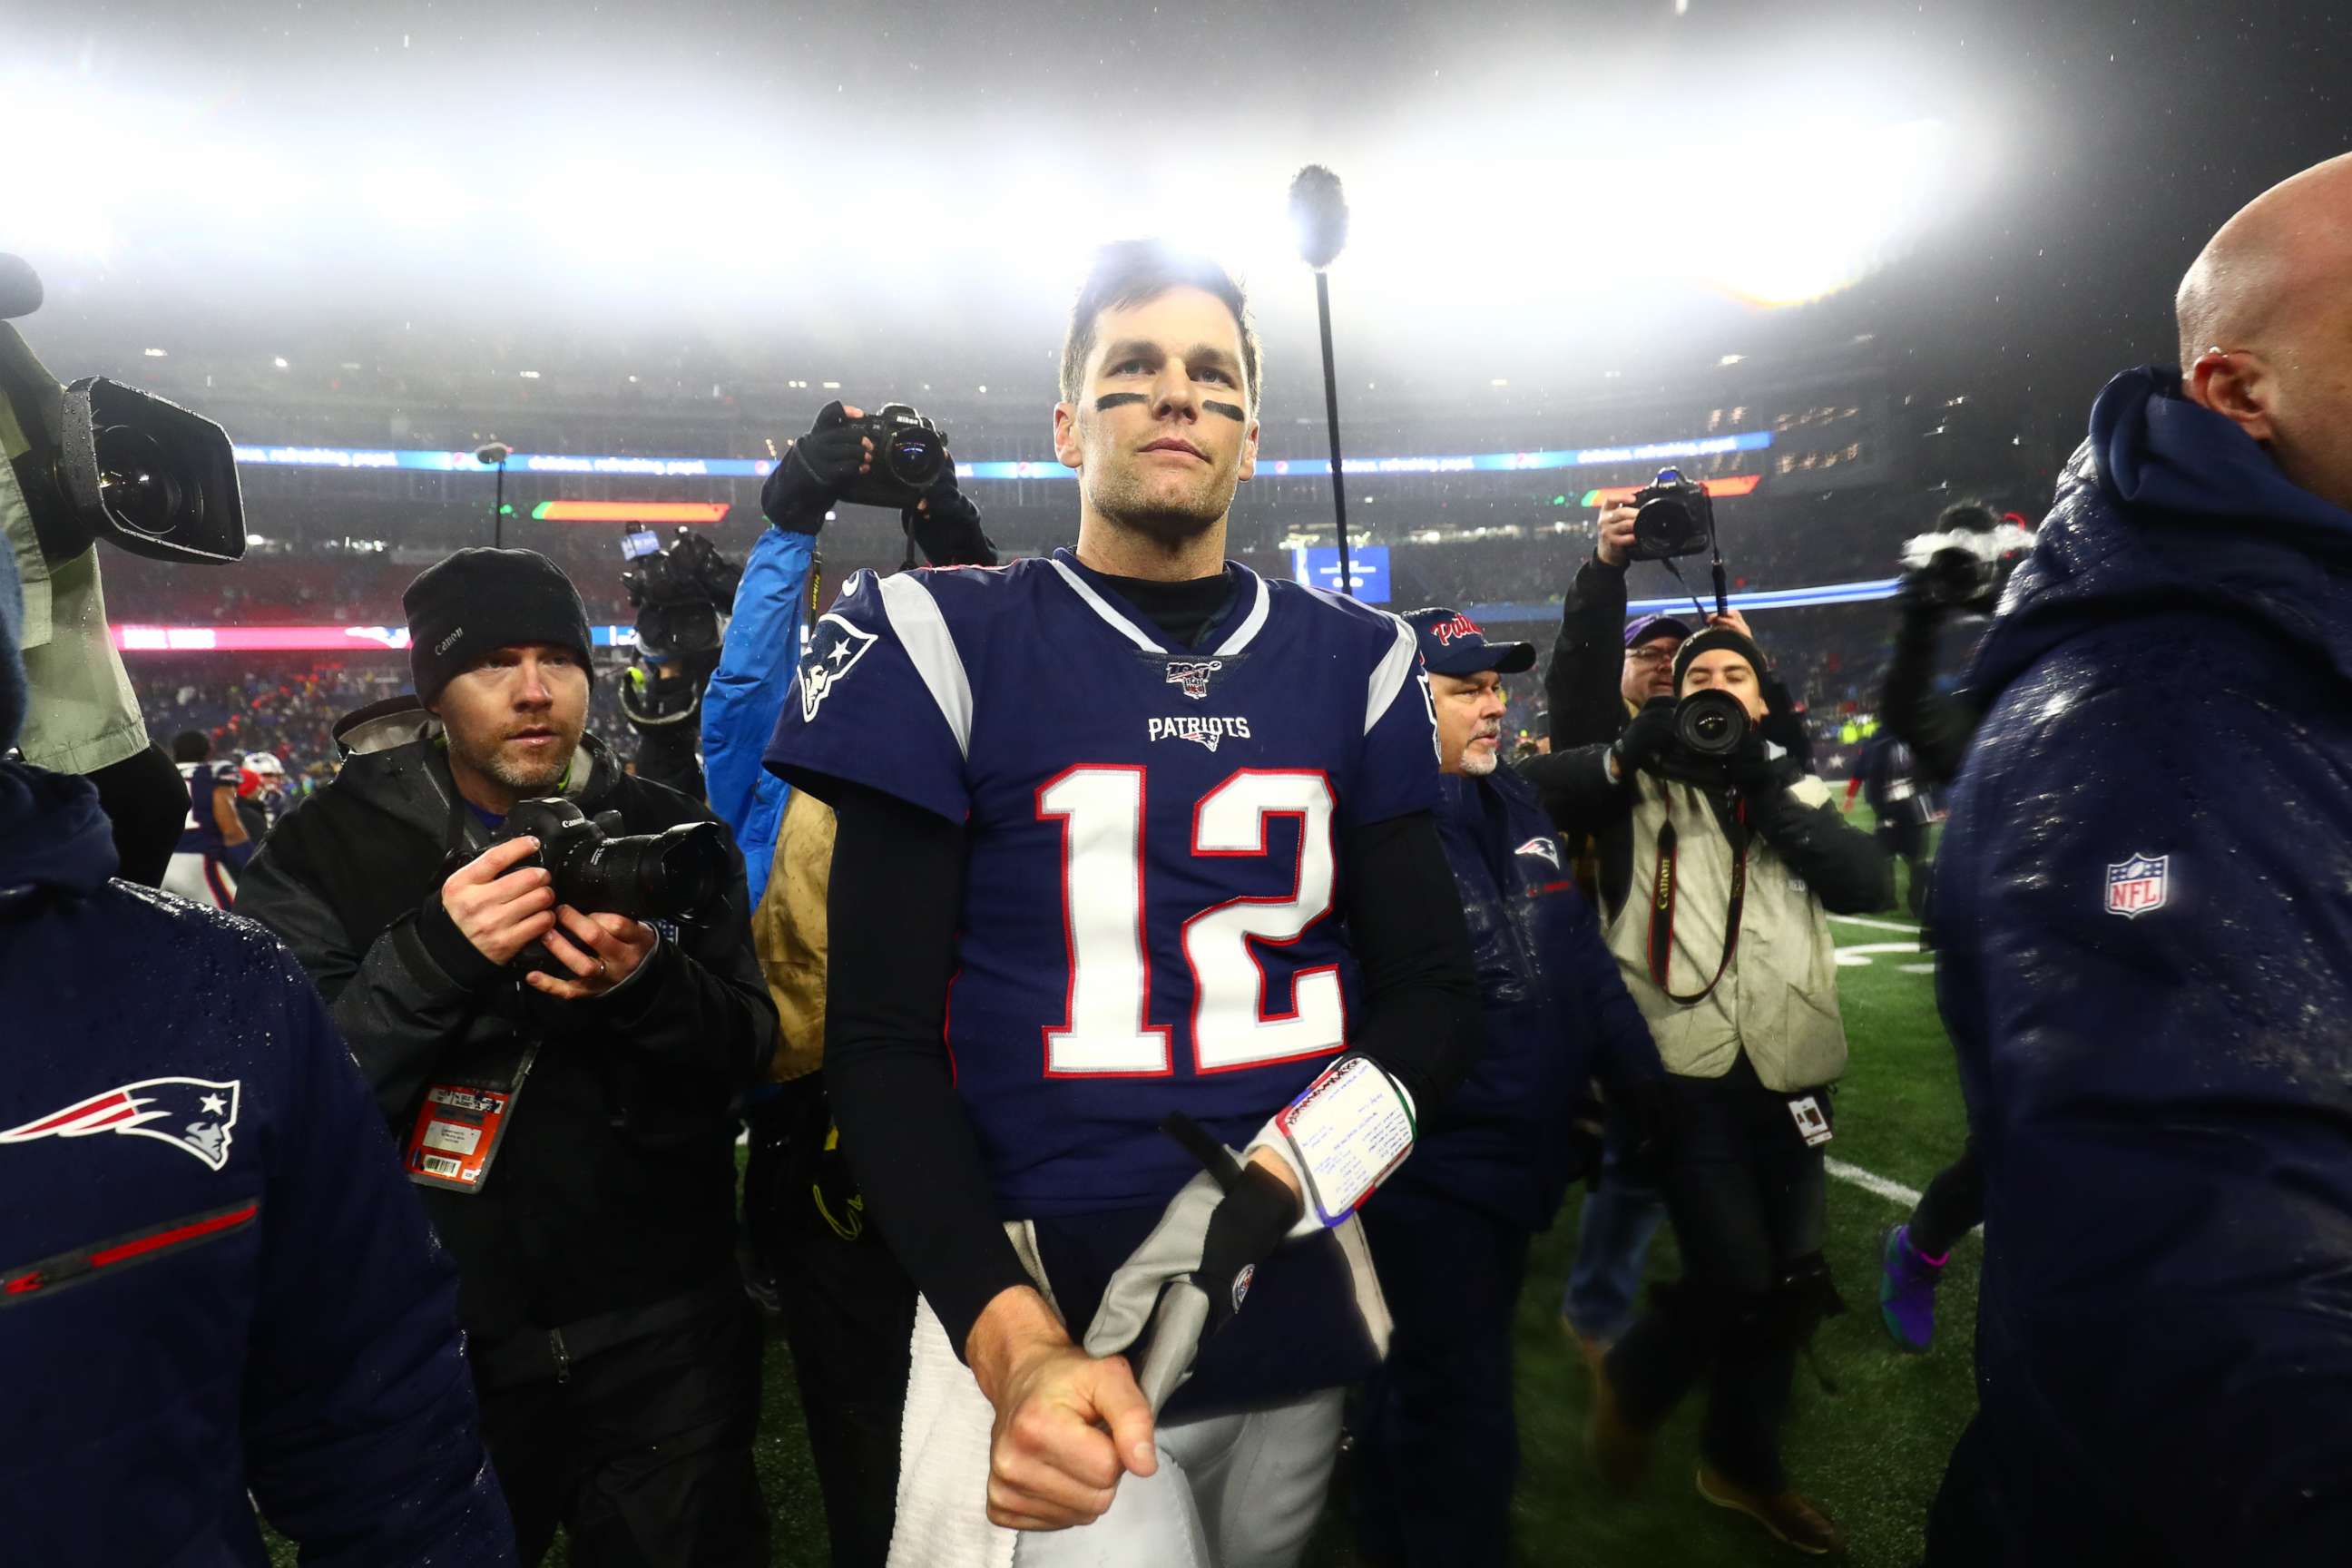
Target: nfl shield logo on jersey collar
[(1192, 676), (2139, 886)]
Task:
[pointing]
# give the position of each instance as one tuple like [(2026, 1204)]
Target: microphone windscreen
[(1318, 216)]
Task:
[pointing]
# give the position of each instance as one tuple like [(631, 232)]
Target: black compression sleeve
[(891, 914), (1422, 1019)]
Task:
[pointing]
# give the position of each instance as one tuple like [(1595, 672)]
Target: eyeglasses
[(1656, 658)]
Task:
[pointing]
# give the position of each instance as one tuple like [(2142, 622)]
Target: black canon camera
[(681, 593), (108, 461), (1967, 562), (597, 870), (910, 454), (1673, 517)]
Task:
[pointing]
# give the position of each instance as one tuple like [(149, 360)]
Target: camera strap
[(1661, 913)]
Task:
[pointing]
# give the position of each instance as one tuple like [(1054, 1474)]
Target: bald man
[(2145, 899)]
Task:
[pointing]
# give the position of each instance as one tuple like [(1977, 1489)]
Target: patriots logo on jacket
[(1542, 849), (835, 648), (195, 1115)]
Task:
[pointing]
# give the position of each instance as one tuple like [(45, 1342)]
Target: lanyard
[(1661, 907)]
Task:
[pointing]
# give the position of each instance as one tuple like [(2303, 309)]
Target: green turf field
[(1871, 1452)]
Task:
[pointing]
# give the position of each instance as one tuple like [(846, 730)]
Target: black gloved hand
[(1648, 1109), (1759, 775), (946, 524), (1648, 735), (815, 473)]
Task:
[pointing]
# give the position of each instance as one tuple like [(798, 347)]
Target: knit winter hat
[(479, 600), (1714, 638)]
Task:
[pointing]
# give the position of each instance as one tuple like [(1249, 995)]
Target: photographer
[(849, 1307), (1719, 861), (563, 1083), (1603, 669), (83, 717)]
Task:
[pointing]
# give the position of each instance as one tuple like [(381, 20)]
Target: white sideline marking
[(1876, 925), (1870, 1182)]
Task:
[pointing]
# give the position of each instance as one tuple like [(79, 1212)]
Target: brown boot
[(1619, 1450), (1787, 1515)]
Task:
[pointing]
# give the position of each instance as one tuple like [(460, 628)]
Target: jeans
[(1750, 1205), (1613, 1244)]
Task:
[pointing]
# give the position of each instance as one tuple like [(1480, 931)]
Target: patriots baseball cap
[(1641, 628), (1453, 643)]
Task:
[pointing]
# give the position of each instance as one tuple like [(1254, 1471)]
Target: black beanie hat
[(1714, 638), (479, 600)]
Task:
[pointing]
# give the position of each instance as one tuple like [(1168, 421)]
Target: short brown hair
[(1128, 272)]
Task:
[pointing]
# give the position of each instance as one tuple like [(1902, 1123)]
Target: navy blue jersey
[(201, 834), (1149, 919)]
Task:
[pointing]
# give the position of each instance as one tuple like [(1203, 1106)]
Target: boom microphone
[(1318, 216), (20, 288)]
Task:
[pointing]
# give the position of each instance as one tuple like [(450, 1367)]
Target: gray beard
[(1478, 764)]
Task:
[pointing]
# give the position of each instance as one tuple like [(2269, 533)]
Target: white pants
[(1232, 1491), (201, 878)]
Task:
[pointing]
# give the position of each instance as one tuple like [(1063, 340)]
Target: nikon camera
[(910, 454), (1673, 517)]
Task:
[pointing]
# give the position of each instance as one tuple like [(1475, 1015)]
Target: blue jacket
[(746, 691), (1555, 1009), (2145, 899), (241, 1292)]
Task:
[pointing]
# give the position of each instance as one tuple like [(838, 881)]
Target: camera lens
[(1710, 724), (137, 481)]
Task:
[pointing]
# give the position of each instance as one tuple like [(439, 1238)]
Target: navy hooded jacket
[(213, 1278), (1555, 1010), (2144, 897)]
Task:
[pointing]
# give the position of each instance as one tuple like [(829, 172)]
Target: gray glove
[(1189, 1277)]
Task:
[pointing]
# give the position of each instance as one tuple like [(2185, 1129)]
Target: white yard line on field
[(1870, 1182), (1911, 926)]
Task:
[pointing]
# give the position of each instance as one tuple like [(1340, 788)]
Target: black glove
[(946, 524), (1648, 735), (1756, 774), (815, 472)]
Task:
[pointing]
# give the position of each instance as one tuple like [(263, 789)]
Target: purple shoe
[(1907, 1290)]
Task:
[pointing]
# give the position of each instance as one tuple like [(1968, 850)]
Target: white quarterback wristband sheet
[(1344, 1134)]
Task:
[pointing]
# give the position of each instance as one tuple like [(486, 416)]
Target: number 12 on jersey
[(1101, 809)]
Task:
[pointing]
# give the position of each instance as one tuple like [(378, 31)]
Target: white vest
[(1778, 998)]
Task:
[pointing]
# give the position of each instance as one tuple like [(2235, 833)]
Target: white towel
[(943, 1462)]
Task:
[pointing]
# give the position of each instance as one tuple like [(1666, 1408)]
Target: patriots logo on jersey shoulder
[(195, 1115), (1543, 847), (835, 648)]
